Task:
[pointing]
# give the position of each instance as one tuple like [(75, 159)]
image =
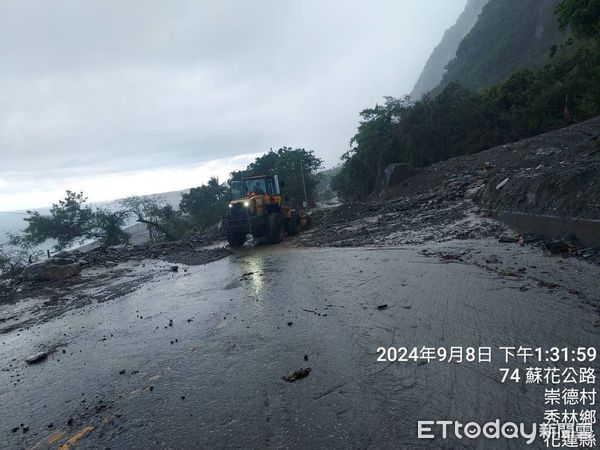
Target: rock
[(382, 307), (501, 184), (571, 240), (471, 193), (116, 248), (528, 238), (548, 284), (122, 372), (174, 268), (289, 324), (557, 247), (83, 262), (508, 238), (297, 375), (305, 357), (38, 357), (48, 271), (61, 261), (111, 264)]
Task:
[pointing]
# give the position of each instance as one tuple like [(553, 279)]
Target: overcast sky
[(132, 97)]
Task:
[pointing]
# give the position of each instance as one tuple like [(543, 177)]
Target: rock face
[(51, 270), (393, 175), (446, 50), (507, 36)]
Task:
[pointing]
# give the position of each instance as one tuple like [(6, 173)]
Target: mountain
[(508, 36), (446, 50)]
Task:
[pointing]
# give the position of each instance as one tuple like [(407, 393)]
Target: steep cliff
[(446, 50), (508, 36)]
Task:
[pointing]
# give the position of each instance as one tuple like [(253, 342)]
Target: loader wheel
[(236, 239), (293, 225), (274, 228)]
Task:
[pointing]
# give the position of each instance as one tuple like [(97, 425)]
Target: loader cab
[(253, 186)]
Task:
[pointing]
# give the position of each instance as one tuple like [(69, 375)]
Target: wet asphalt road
[(213, 377)]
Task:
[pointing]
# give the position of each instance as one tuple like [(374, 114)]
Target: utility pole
[(305, 202)]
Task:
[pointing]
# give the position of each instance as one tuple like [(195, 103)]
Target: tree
[(18, 253), (582, 16), (206, 204), (69, 219), (161, 219), (107, 227), (289, 164)]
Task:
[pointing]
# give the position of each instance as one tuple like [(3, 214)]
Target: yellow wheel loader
[(257, 208)]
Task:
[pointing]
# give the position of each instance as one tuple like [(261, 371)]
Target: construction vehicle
[(257, 208)]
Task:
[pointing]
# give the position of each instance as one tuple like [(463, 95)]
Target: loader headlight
[(246, 204), (230, 205)]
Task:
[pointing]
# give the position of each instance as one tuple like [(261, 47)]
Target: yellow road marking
[(136, 392), (49, 440), (76, 437)]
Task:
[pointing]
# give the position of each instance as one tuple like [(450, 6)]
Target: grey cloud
[(106, 86)]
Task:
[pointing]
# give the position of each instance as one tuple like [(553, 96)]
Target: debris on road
[(548, 284), (508, 238), (297, 375), (501, 184), (557, 246), (38, 357)]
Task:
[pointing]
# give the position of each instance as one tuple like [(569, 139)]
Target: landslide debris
[(73, 279), (555, 174), (297, 375)]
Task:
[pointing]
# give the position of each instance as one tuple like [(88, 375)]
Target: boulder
[(393, 175), (61, 261), (50, 271)]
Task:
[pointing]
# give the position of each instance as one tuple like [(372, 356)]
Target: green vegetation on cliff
[(509, 36), (458, 120)]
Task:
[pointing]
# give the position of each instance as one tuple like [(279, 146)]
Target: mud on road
[(108, 273), (195, 358)]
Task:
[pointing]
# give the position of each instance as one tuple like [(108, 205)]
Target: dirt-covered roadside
[(440, 214), (106, 273), (557, 173)]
